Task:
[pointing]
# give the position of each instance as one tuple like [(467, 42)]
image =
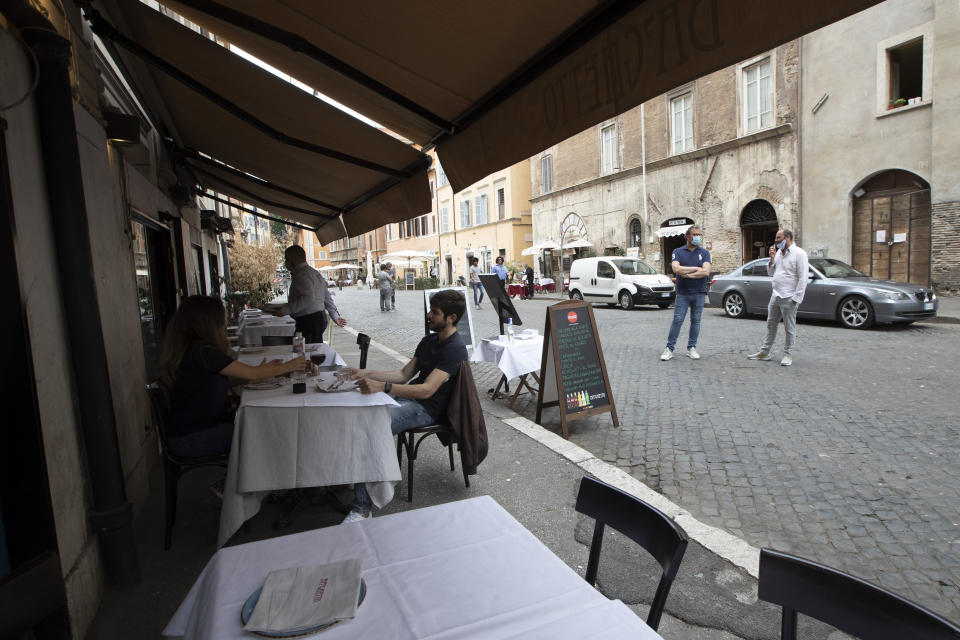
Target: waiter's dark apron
[(312, 326)]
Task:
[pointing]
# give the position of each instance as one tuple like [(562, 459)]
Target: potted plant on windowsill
[(899, 102)]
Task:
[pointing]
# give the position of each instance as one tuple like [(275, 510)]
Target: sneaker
[(692, 352), (666, 355), (759, 355), (787, 361), (355, 516)]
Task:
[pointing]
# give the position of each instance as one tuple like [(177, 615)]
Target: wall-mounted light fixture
[(122, 128)]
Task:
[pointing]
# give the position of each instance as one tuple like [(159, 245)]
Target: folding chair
[(644, 524), (843, 601)]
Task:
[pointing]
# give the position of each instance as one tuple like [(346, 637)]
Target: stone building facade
[(720, 152), (880, 168)]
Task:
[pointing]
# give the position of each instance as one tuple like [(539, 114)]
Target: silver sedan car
[(835, 291)]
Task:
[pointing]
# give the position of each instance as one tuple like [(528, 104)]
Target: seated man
[(423, 400)]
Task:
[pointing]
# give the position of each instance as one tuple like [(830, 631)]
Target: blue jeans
[(409, 415), (477, 287), (693, 302), (213, 441)]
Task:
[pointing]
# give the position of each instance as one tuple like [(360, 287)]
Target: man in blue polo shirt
[(691, 266)]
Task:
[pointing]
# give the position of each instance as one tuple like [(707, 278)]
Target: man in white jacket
[(788, 267)]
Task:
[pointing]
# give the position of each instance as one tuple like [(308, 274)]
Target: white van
[(623, 281)]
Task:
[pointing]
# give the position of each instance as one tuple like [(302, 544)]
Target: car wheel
[(855, 313), (626, 300), (664, 305), (576, 295), (734, 305)]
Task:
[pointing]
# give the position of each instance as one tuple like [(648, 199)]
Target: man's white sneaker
[(759, 355), (666, 355), (355, 516), (787, 361), (692, 352)]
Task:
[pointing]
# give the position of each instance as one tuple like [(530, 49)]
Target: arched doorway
[(672, 235), (758, 224), (891, 227)]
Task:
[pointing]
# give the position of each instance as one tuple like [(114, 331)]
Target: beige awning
[(231, 154), (500, 81)]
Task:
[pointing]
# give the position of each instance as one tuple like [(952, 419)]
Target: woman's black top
[(200, 391)]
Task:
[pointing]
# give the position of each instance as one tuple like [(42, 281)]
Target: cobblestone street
[(849, 457)]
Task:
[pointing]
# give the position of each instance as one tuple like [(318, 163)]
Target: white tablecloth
[(253, 328), (513, 358), (284, 440), (463, 570)]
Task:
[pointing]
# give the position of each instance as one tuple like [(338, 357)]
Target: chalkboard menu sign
[(573, 373)]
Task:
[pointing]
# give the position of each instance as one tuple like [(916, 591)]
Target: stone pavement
[(850, 457)]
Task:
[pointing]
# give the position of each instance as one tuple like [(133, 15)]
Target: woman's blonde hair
[(200, 319)]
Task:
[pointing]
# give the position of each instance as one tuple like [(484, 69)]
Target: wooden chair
[(174, 466), (843, 601), (33, 601), (275, 341), (644, 524)]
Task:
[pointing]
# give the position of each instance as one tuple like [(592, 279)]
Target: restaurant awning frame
[(669, 232)]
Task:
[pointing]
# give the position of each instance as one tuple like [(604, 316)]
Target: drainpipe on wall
[(643, 163), (110, 513)]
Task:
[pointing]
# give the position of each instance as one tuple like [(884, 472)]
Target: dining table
[(462, 570), (285, 440), (253, 326), (515, 290), (519, 358)]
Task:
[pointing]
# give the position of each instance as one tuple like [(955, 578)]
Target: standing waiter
[(308, 296)]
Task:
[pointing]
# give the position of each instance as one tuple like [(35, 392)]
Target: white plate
[(326, 380), (264, 385)]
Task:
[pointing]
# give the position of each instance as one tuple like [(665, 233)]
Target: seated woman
[(196, 366)]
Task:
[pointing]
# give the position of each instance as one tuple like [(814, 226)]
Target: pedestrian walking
[(501, 272), (691, 266), (393, 286), (385, 284), (528, 271), (475, 281), (788, 267)]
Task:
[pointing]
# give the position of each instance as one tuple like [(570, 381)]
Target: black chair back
[(174, 466), (843, 601), (364, 341), (33, 601), (644, 524), (274, 341)]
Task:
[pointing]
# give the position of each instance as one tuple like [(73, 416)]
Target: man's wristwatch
[(387, 386)]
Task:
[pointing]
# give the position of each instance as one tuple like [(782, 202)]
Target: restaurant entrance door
[(156, 287)]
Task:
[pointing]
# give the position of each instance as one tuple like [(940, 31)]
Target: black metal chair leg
[(450, 451), (411, 456), (170, 481)]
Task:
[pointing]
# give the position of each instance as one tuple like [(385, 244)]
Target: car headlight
[(892, 295)]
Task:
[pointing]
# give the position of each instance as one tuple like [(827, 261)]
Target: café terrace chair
[(33, 601), (275, 341), (174, 466), (843, 601), (411, 439), (644, 524)]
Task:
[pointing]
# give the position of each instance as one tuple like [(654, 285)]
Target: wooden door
[(891, 236)]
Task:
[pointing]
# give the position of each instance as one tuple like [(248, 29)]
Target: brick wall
[(944, 254)]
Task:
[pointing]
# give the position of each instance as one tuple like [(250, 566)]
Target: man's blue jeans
[(477, 287), (409, 415), (693, 302)]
